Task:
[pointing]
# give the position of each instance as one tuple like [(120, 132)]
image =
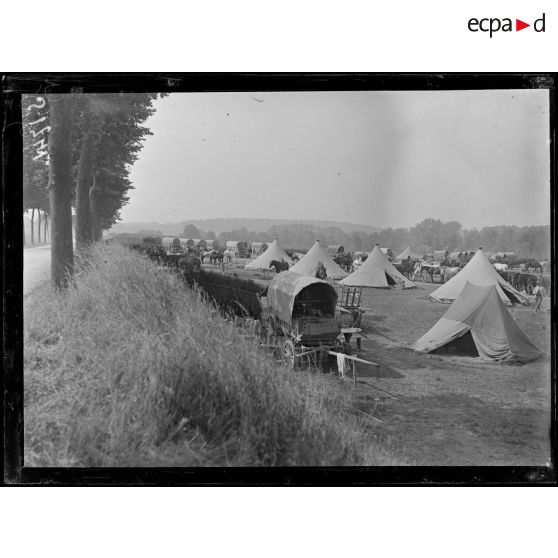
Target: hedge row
[(224, 290)]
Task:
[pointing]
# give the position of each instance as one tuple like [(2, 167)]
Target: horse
[(216, 257), (526, 264), (205, 254), (279, 266), (405, 267), (171, 260), (157, 254), (431, 270), (416, 274), (228, 256), (344, 261)]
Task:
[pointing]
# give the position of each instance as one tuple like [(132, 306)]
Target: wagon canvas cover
[(481, 311), (285, 287)]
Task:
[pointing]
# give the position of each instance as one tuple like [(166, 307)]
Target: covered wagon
[(187, 243), (259, 248), (240, 248), (174, 247), (298, 314)]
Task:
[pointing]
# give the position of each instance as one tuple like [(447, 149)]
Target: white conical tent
[(479, 323), (376, 271), (478, 271), (406, 253), (309, 263), (274, 252)]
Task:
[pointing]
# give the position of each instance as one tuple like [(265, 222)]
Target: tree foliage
[(117, 122), (112, 125), (425, 237), (98, 138)]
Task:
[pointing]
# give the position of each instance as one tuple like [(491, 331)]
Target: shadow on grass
[(384, 371)]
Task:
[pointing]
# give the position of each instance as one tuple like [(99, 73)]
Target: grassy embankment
[(131, 368)]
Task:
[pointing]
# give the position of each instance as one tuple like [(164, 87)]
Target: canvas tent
[(408, 253), (478, 323), (274, 252), (309, 263), (480, 272), (377, 271)]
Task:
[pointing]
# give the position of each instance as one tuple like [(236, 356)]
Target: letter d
[(535, 25)]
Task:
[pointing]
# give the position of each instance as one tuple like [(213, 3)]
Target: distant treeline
[(425, 237)]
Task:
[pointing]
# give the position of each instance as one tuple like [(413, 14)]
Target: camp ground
[(413, 350), (303, 297)]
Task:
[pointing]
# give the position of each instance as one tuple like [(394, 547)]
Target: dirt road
[(36, 267)]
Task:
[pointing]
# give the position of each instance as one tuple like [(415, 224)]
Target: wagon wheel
[(289, 353)]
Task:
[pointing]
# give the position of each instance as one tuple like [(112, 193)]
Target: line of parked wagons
[(178, 245)]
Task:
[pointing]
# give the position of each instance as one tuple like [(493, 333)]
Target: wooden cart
[(300, 325), (298, 318)]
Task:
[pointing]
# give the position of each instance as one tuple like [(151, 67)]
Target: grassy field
[(449, 410), (131, 368)]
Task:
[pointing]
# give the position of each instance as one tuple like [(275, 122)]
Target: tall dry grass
[(131, 368)]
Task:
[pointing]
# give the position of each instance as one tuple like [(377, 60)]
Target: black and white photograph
[(336, 275)]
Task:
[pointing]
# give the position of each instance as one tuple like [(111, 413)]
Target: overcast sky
[(387, 159)]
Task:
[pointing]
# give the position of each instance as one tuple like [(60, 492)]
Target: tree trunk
[(96, 229), (60, 189), (32, 231), (84, 183), (39, 227), (45, 227)]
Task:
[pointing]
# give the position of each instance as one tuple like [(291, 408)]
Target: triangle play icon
[(519, 25)]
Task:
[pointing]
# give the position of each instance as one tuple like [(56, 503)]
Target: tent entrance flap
[(511, 295), (462, 346)]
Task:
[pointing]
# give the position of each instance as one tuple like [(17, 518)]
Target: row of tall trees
[(93, 139), (35, 171), (425, 237)]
